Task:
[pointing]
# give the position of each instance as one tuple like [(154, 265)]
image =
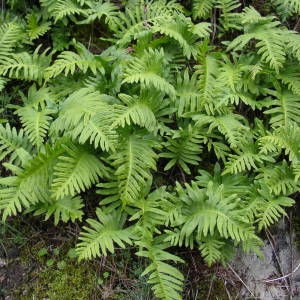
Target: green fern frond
[(68, 62), (188, 93), (247, 157), (202, 8), (184, 147), (100, 9), (289, 6), (35, 123), (35, 26), (286, 109), (11, 141), (228, 18), (271, 39), (86, 115), (207, 72), (14, 196), (237, 184), (59, 9), (64, 209), (214, 249), (167, 281), (290, 77), (279, 179), (10, 34), (183, 31), (230, 125), (76, 171), (99, 238), (152, 210), (137, 112), (25, 65), (137, 20), (207, 211), (134, 159), (283, 138), (271, 209), (150, 70)]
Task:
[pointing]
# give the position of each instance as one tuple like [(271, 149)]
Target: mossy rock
[(73, 282)]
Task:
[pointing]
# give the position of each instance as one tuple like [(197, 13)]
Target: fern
[(202, 8), (132, 170), (68, 62), (183, 119), (10, 34), (25, 66), (150, 71), (167, 281), (62, 8), (64, 209), (99, 238), (184, 148), (271, 208), (98, 10), (11, 141), (76, 171), (286, 109)]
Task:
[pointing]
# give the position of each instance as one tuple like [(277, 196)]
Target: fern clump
[(186, 132)]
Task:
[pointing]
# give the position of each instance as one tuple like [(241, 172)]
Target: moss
[(72, 282), (213, 289)]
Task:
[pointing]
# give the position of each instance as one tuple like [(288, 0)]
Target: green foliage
[(176, 131)]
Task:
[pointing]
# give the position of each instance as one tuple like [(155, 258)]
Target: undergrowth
[(181, 120)]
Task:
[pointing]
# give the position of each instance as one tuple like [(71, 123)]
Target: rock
[(281, 258)]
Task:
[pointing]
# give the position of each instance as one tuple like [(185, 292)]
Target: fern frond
[(271, 39), (150, 70), (152, 210), (64, 209), (279, 179), (188, 93), (202, 8), (134, 159), (184, 147), (137, 20), (10, 34), (246, 158), (214, 249), (271, 209), (76, 171), (35, 123), (167, 281), (14, 196), (207, 211), (100, 9), (25, 65), (35, 28), (11, 141), (207, 72), (60, 9), (99, 238), (68, 62), (86, 115), (230, 125), (286, 109), (182, 30), (289, 6), (283, 138), (227, 17)]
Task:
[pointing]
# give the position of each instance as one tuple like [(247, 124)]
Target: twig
[(272, 243), (209, 291), (283, 277), (240, 279)]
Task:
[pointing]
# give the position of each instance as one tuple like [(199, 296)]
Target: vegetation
[(180, 119)]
